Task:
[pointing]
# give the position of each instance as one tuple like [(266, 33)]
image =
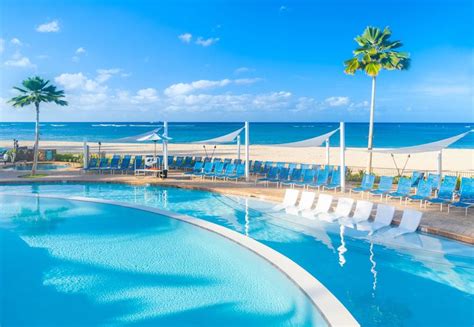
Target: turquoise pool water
[(87, 264), (41, 166), (417, 280)]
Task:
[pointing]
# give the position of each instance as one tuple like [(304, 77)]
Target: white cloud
[(2, 45), (242, 70), (445, 89), (18, 60), (148, 95), (16, 41), (80, 50), (247, 81), (185, 37), (50, 27), (105, 74), (337, 101), (78, 81), (186, 88), (207, 42)]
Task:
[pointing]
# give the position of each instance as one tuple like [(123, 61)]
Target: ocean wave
[(182, 125), (303, 126), (108, 125), (58, 125), (151, 126)]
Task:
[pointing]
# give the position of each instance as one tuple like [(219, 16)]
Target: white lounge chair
[(383, 218), (409, 224), (322, 206), (343, 209), (291, 196), (306, 202), (362, 212)]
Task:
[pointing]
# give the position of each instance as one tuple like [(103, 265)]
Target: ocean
[(386, 135)]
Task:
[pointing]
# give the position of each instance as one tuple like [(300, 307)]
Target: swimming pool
[(41, 166), (73, 262), (417, 280)]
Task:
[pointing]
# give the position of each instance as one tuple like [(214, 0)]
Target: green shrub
[(69, 157)]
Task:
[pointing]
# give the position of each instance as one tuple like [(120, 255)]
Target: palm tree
[(376, 52), (35, 91)]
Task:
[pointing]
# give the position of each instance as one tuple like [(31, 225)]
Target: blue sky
[(235, 60)]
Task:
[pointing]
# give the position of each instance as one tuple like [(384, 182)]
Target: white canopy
[(228, 138), (312, 142), (152, 137), (427, 147), (139, 136)]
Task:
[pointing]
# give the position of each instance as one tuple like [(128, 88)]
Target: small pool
[(72, 262), (417, 280), (41, 166)]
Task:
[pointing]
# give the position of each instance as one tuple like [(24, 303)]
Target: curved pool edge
[(330, 308)]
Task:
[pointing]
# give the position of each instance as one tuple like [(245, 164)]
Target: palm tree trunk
[(36, 149), (371, 127)]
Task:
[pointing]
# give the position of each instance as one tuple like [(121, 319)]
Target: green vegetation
[(36, 91), (33, 176), (375, 52), (69, 157)]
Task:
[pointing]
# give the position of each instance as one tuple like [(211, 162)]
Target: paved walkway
[(455, 225)]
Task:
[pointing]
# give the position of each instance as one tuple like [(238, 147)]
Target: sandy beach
[(454, 160)]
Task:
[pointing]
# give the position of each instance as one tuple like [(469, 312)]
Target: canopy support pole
[(440, 166), (405, 165), (395, 163), (238, 147), (85, 155), (247, 154), (327, 152), (342, 151), (165, 149)]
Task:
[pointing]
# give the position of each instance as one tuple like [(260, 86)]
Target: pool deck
[(455, 225)]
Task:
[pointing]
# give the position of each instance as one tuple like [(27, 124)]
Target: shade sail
[(135, 138), (150, 137), (427, 147), (312, 142), (228, 138)]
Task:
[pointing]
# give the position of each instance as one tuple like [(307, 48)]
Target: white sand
[(461, 160)]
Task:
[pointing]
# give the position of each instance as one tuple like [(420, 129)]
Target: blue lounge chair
[(282, 177), (216, 160), (257, 167), (91, 164), (227, 161), (196, 159), (125, 163), (366, 185), (188, 163), (229, 171), (295, 177), (207, 169), (266, 168), (423, 193), (466, 195), (196, 169), (292, 166), (308, 178), (175, 164), (403, 189), (445, 194), (335, 181), (218, 170), (321, 179), (207, 159), (114, 164), (434, 180), (305, 166), (384, 187), (103, 163), (272, 175), (416, 177), (239, 173)]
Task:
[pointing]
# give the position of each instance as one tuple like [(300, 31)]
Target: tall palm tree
[(36, 91), (375, 52)]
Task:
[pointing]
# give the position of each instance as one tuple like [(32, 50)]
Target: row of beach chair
[(427, 190), (310, 207)]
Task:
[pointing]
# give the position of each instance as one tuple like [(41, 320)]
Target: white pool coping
[(331, 309)]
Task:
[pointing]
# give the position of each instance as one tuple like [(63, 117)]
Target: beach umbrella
[(152, 137)]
